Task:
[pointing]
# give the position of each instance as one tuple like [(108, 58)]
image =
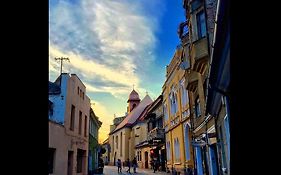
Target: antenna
[(61, 60)]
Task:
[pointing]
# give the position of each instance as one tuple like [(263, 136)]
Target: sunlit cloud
[(110, 45)]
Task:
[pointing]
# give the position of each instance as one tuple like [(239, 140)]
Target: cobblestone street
[(112, 170)]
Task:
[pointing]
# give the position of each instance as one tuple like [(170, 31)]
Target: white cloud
[(106, 41)]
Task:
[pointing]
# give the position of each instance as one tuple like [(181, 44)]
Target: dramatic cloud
[(110, 44)]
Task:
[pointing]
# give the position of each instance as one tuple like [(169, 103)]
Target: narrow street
[(112, 170)]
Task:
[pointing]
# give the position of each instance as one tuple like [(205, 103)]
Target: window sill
[(177, 163)]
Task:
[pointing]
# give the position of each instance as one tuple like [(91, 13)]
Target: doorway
[(70, 163), (114, 160), (145, 159)]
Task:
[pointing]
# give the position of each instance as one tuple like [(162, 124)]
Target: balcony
[(183, 33), (200, 55), (191, 82), (156, 133)]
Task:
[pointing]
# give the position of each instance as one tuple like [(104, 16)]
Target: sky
[(114, 45)]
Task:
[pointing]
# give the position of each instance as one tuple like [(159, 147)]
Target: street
[(112, 170)]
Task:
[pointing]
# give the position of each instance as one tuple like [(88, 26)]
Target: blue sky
[(113, 44)]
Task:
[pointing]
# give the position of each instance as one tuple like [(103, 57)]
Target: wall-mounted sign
[(199, 143)]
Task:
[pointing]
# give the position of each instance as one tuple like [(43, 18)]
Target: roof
[(134, 114), (54, 88), (156, 103), (95, 118), (134, 96)]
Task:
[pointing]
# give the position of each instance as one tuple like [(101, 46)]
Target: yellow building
[(176, 116)]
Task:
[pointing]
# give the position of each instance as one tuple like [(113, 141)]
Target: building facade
[(68, 126), (205, 41), (94, 147), (218, 97), (177, 116), (156, 133), (122, 138)]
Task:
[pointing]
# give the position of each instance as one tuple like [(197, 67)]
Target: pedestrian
[(134, 162), (189, 171), (129, 166), (119, 166), (154, 165)]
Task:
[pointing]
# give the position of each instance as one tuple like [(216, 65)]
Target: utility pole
[(61, 60)]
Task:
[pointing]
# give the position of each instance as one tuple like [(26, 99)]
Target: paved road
[(112, 170)]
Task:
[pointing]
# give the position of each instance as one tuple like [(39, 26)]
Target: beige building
[(127, 134), (69, 109)]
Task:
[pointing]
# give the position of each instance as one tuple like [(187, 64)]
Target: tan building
[(123, 138), (68, 126)]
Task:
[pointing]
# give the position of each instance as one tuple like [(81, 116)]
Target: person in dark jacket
[(134, 163), (129, 166), (119, 166)]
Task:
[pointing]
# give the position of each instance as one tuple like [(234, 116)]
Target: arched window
[(187, 143)]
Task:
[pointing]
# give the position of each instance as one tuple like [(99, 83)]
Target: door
[(146, 159), (114, 161), (213, 159), (199, 160), (70, 163)]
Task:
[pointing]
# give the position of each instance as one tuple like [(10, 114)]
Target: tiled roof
[(135, 113)]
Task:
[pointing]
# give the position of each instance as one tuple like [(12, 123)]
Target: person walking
[(134, 162), (154, 165), (119, 166), (129, 166)]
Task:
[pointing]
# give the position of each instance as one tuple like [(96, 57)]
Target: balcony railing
[(156, 133)]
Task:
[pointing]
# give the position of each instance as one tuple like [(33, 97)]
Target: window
[(197, 107), (177, 149), (85, 126), (116, 142), (83, 95), (168, 151), (78, 90), (183, 96), (227, 134), (186, 139), (201, 24), (51, 157), (134, 105), (165, 113), (72, 117), (140, 155), (80, 123), (121, 146), (80, 162), (173, 102)]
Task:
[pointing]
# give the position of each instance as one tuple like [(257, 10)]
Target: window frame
[(199, 21)]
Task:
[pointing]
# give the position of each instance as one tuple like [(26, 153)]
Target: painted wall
[(60, 136)]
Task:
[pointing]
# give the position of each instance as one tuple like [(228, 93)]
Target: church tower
[(133, 101)]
